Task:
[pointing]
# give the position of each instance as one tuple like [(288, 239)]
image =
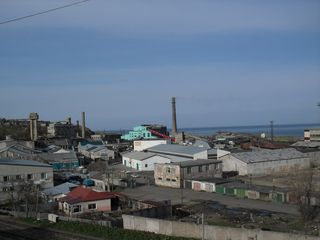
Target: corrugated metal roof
[(18, 162), (176, 149), (59, 157), (306, 144), (138, 155), (60, 189), (268, 155), (18, 148)]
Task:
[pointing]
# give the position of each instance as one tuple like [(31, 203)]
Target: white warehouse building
[(264, 162), (140, 145), (143, 161)]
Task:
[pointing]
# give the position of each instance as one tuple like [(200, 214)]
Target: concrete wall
[(170, 175), (142, 145), (280, 166), (230, 163), (191, 230), (314, 157), (167, 175)]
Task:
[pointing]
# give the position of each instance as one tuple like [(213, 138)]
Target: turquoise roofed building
[(138, 132)]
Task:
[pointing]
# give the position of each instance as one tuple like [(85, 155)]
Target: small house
[(84, 200)]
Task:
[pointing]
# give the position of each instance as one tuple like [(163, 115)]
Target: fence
[(191, 230)]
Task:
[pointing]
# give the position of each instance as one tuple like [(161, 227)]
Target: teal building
[(58, 166), (138, 132)]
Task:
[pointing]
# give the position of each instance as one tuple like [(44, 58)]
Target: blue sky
[(227, 62)]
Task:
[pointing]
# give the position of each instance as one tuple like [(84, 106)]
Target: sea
[(294, 130)]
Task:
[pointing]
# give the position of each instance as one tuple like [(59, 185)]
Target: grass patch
[(297, 226), (102, 232)]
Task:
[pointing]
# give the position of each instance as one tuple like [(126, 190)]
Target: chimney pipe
[(174, 116), (83, 124)]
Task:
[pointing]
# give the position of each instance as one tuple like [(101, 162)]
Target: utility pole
[(202, 221), (181, 183), (37, 202), (271, 128)]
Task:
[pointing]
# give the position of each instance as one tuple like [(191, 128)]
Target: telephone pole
[(271, 128)]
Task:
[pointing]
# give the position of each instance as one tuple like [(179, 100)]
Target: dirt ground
[(283, 180), (216, 213)]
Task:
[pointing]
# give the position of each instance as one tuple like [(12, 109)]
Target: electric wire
[(43, 12)]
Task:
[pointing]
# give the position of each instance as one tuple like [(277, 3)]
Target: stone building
[(173, 174)]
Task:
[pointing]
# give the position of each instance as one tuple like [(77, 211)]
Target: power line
[(43, 12)]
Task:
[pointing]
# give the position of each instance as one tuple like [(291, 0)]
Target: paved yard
[(190, 197)]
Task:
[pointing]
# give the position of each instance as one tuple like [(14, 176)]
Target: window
[(18, 177), (188, 170), (174, 180), (168, 179), (200, 168), (168, 170), (146, 165), (7, 189), (207, 168), (29, 176), (43, 175), (6, 178), (92, 206), (76, 208), (159, 178)]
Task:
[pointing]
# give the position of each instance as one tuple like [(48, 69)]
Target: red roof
[(82, 194)]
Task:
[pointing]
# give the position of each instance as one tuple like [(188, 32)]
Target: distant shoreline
[(293, 130)]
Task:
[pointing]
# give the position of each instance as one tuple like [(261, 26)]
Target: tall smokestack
[(83, 124), (174, 116), (78, 129)]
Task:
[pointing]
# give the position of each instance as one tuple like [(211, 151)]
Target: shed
[(220, 189), (196, 185), (188, 184)]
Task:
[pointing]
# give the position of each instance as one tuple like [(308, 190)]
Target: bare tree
[(304, 185), (21, 192)]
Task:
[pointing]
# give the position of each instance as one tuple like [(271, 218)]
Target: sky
[(228, 63)]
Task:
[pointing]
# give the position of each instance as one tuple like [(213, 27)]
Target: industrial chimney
[(83, 124), (174, 117), (33, 118), (78, 129)]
